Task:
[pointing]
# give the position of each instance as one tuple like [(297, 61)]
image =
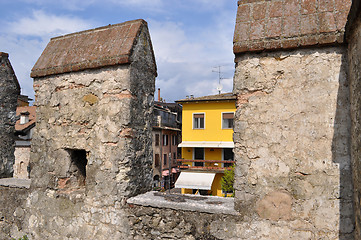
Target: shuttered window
[(198, 120), (227, 120)]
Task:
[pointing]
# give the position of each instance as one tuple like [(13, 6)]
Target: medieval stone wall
[(354, 56), (293, 129), (292, 142), (10, 90), (91, 148)]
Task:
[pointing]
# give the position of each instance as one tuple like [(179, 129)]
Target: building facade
[(207, 142), (166, 135), (24, 128)]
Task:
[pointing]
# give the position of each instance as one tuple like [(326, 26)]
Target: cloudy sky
[(191, 38)]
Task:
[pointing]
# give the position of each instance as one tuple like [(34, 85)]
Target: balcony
[(209, 165)]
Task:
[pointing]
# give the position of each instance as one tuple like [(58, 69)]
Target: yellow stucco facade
[(212, 131)]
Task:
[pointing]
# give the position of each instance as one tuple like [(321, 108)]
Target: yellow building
[(207, 142)]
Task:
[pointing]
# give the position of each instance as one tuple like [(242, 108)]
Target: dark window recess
[(156, 139), (156, 160), (199, 155), (165, 159), (228, 156), (77, 168)]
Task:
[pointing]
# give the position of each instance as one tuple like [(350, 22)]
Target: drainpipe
[(158, 94)]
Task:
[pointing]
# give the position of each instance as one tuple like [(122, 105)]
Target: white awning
[(193, 180), (207, 144)]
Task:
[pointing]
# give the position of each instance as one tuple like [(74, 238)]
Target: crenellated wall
[(296, 136)]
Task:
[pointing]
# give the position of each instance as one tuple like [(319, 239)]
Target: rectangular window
[(165, 140), (164, 159), (228, 156), (156, 160), (156, 139), (227, 120), (199, 155), (174, 140), (198, 121), (77, 167)]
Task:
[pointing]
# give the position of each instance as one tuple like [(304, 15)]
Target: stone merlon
[(286, 24), (95, 48)]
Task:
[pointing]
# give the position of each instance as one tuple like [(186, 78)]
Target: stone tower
[(9, 92), (292, 132), (91, 147)]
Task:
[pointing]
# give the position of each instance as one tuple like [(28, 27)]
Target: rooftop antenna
[(219, 86)]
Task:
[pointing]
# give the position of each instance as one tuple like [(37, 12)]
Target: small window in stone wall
[(76, 175)]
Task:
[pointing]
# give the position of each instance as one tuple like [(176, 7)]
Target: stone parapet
[(286, 24), (292, 148)]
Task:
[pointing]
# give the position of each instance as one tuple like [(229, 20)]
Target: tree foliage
[(228, 180)]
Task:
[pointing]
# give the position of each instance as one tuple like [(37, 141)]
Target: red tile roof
[(95, 48), (32, 117), (217, 97)]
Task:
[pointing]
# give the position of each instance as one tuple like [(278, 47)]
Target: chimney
[(24, 117), (192, 96), (158, 94)]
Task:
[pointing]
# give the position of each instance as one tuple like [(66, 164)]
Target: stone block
[(275, 9), (259, 10)]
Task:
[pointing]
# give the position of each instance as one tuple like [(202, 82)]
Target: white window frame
[(204, 120), (194, 156), (223, 127)]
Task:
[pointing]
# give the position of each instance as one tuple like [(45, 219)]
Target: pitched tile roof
[(286, 24), (32, 117), (218, 97), (95, 48)]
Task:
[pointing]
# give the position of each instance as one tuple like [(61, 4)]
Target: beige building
[(24, 129)]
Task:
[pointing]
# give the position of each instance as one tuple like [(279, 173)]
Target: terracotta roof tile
[(289, 24), (32, 117), (218, 97), (105, 46)]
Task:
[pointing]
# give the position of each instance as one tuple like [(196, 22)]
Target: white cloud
[(186, 56), (26, 38), (41, 24)]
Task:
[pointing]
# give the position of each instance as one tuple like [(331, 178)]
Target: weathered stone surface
[(12, 212), (354, 56), (275, 206), (292, 134), (91, 148), (284, 24), (9, 92)]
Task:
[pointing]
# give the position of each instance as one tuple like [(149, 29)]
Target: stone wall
[(91, 148), (293, 144), (9, 92), (292, 137), (287, 24), (22, 159), (12, 212), (354, 56)]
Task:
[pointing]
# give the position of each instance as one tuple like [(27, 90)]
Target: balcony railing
[(204, 168)]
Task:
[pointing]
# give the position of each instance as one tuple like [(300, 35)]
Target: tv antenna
[(219, 86)]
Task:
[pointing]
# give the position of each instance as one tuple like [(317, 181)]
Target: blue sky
[(190, 37)]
